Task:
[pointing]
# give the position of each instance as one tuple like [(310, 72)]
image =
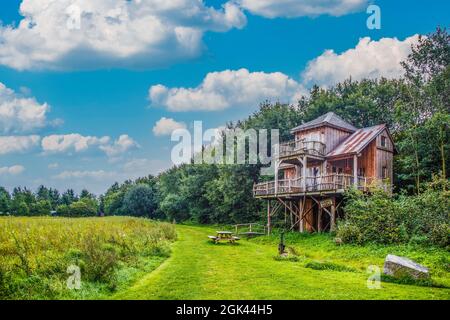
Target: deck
[(293, 149), (331, 183)]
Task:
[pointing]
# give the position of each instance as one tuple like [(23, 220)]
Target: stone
[(399, 267)]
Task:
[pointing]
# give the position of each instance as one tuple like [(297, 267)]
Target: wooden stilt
[(333, 216), (268, 217), (319, 220)]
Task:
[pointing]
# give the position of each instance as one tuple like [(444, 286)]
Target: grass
[(111, 254), (34, 254), (198, 269)]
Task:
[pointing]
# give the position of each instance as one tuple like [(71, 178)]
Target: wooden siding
[(332, 137), (367, 160)]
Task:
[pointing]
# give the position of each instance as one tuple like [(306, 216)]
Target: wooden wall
[(328, 135), (367, 160), (385, 156)]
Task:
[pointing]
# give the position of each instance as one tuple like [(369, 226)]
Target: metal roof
[(355, 143), (329, 118)]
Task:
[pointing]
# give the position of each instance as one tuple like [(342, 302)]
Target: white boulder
[(398, 267)]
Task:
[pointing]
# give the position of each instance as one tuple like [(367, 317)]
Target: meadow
[(38, 255), (134, 258)]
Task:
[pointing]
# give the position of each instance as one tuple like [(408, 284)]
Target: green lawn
[(198, 269)]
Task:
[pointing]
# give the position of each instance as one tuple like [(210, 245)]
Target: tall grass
[(36, 252)]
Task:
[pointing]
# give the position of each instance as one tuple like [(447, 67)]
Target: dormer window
[(383, 141)]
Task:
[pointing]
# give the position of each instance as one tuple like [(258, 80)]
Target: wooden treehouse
[(327, 156)]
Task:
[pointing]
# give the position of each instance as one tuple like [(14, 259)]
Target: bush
[(378, 217), (83, 208)]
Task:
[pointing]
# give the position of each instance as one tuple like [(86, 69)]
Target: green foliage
[(85, 207), (140, 200), (378, 217)]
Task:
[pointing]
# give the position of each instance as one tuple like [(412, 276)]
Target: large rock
[(400, 267)]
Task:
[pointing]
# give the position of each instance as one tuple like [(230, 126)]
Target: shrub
[(378, 217)]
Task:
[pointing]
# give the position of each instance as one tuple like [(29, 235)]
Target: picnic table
[(224, 236)]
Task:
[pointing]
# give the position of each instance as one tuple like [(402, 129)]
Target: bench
[(229, 239)]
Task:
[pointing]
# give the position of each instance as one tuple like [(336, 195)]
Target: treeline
[(415, 107)]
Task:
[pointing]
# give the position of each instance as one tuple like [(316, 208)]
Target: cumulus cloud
[(79, 34), (18, 144), (71, 143), (76, 143), (13, 170), (300, 8), (369, 59), (229, 88), (20, 114), (97, 175), (120, 146), (165, 126)]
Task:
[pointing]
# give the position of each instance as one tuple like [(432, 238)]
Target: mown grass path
[(199, 269)]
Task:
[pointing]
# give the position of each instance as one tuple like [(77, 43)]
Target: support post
[(277, 162), (300, 215), (305, 161), (319, 219), (268, 217), (333, 216), (355, 171)]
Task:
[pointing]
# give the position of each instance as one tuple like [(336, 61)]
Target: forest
[(415, 108)]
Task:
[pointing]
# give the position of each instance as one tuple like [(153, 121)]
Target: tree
[(68, 197), (22, 209), (140, 200), (83, 208)]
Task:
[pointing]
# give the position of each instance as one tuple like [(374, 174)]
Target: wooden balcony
[(330, 183), (300, 148)]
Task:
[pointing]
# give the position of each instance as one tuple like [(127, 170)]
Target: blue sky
[(91, 88)]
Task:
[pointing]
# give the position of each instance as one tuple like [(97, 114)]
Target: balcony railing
[(301, 147), (327, 182)]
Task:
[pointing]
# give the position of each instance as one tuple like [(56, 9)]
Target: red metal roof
[(357, 141)]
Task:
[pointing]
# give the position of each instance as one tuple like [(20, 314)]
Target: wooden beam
[(268, 217), (333, 216), (355, 171), (319, 220)]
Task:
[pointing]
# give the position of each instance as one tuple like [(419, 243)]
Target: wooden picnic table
[(224, 236)]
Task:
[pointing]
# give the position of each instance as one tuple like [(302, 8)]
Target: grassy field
[(129, 258), (111, 253), (199, 269)]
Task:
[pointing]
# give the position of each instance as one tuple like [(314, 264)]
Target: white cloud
[(54, 165), (71, 143), (229, 88), (165, 126), (13, 170), (99, 174), (20, 114), (76, 143), (369, 59), (79, 34), (18, 144), (300, 8), (120, 146)]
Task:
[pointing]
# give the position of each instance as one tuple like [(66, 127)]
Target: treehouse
[(327, 156)]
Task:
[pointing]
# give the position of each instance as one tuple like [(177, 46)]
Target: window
[(384, 173), (383, 141)]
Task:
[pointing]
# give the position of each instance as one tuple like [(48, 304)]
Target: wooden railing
[(326, 182), (300, 147)]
